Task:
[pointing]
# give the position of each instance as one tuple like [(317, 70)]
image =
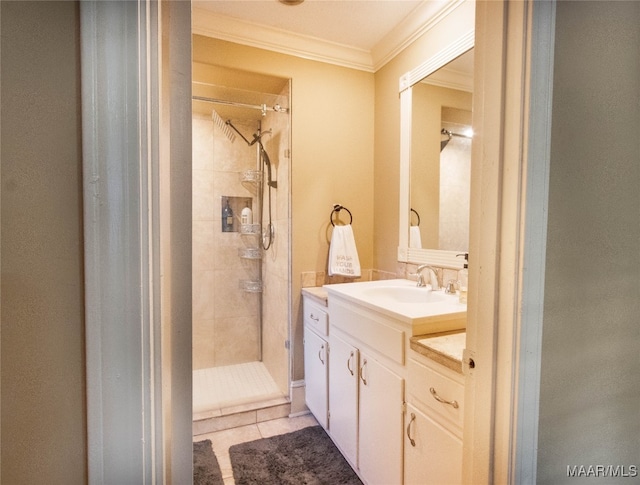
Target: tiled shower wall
[(226, 319)]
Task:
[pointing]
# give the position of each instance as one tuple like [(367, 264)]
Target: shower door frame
[(283, 157)]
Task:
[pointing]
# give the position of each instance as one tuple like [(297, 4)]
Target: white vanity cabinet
[(380, 423), (343, 398), (366, 393), (382, 415), (316, 359), (433, 434)]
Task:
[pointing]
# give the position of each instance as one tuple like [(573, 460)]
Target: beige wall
[(589, 393), (43, 403), (332, 153)]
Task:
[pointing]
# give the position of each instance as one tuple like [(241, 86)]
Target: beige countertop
[(443, 348), (317, 293)]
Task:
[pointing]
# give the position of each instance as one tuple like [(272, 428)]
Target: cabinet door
[(316, 374), (381, 416), (343, 397), (433, 455)]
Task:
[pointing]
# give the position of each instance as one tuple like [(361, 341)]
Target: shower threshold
[(236, 395)]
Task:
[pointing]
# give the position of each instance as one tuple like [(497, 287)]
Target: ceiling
[(362, 34), (360, 23)]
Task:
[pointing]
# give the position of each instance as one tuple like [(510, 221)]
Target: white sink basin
[(401, 299), (404, 294)]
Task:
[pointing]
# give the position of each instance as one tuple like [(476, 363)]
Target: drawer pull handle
[(411, 440), (317, 319), (364, 381), (349, 363), (320, 354), (439, 399)]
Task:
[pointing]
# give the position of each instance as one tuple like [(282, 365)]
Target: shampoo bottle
[(463, 279), (246, 216)]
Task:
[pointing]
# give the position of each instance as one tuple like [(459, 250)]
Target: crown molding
[(264, 37), (421, 20)]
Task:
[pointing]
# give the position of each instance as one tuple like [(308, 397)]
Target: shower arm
[(250, 143), (256, 138)]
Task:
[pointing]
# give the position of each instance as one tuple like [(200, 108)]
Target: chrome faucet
[(433, 277)]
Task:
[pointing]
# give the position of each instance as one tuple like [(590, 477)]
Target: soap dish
[(252, 176)]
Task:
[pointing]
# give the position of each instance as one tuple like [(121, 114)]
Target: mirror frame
[(406, 254)]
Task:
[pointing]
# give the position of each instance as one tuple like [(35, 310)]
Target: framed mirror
[(435, 153)]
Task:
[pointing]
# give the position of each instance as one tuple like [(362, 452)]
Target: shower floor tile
[(217, 388)]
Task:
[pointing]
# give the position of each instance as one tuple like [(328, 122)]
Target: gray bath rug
[(305, 457), (206, 470)]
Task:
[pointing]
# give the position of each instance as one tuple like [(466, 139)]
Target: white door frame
[(512, 120), (136, 99)]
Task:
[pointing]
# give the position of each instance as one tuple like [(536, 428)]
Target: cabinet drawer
[(316, 317), (430, 388)]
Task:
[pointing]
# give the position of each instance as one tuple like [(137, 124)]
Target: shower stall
[(241, 240)]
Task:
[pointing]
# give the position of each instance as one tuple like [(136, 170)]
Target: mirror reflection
[(441, 137)]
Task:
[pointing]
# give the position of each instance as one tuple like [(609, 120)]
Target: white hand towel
[(415, 240), (343, 255)]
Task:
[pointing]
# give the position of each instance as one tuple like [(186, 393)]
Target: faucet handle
[(451, 287), (420, 280)]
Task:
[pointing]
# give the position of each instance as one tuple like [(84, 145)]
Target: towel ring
[(338, 208), (417, 215)]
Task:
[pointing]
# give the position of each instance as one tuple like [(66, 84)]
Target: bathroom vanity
[(384, 377)]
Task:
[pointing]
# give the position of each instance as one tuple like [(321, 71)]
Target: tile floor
[(222, 440)]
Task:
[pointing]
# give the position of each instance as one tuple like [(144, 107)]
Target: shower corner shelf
[(252, 176), (250, 253), (251, 229), (251, 286)]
